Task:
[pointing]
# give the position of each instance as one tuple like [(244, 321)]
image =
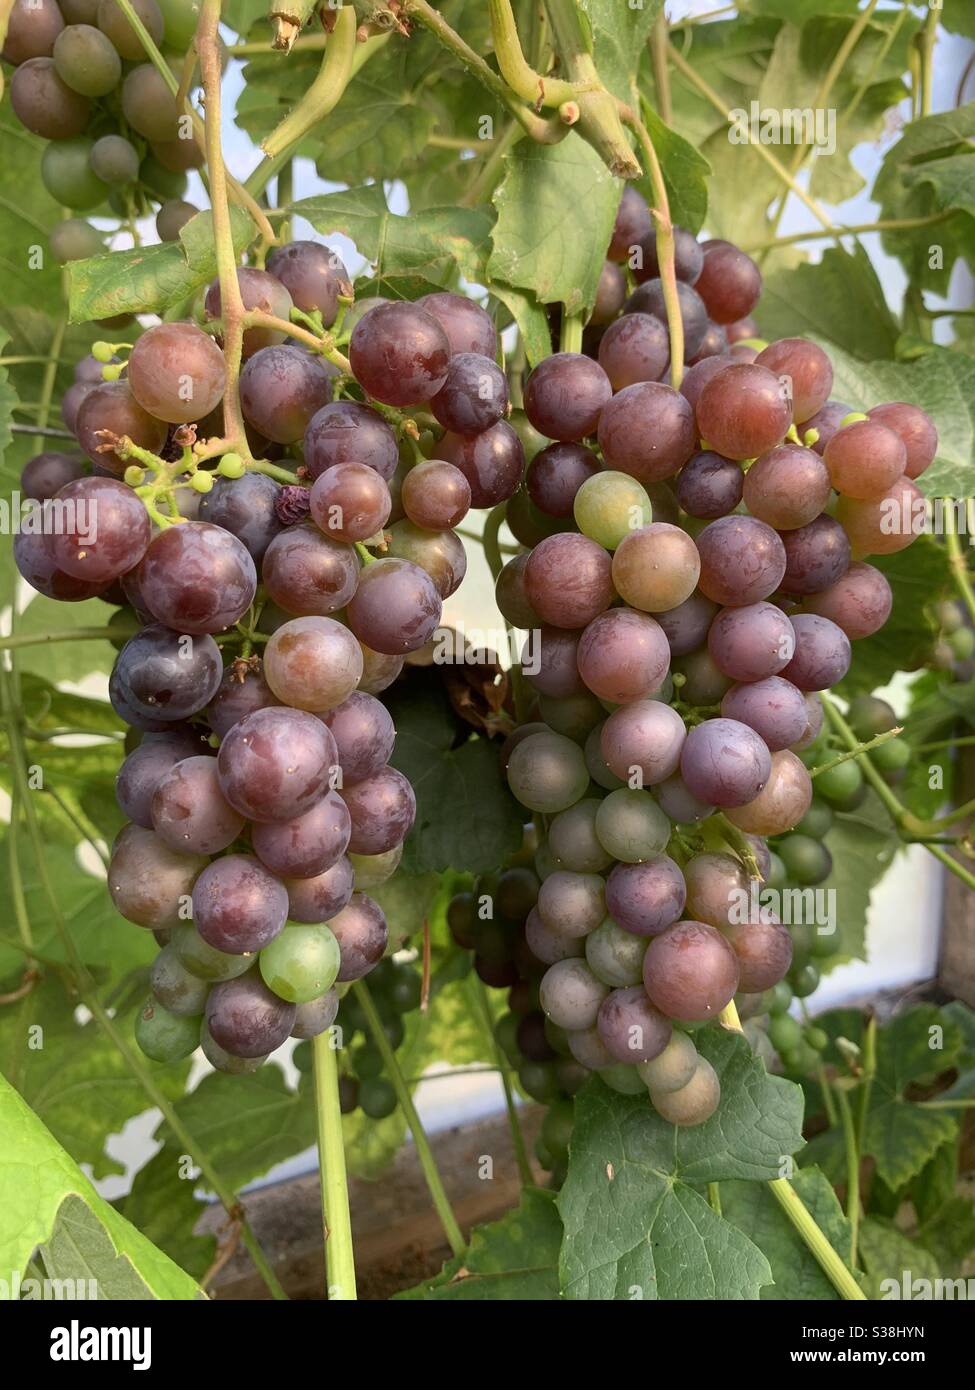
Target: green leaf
[(149, 279), (531, 318), (892, 1261), (514, 1258), (619, 36), (635, 1223), (862, 845), (840, 301), (556, 208), (162, 1203), (685, 171), (432, 243), (796, 1274), (46, 1200)]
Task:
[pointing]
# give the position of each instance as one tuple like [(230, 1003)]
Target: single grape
[(440, 554), (549, 945), (773, 707), (378, 670), (309, 844), (742, 411), (313, 275), (238, 907), (172, 217), (631, 1028), (686, 626), (396, 607), (647, 430), (610, 294), (781, 803), (86, 60), (679, 804), (373, 870), (571, 995), (101, 529), (623, 655), (724, 763), (147, 881), (474, 395), (556, 474), (44, 103), (399, 354), (825, 423), (730, 282), (246, 508), (806, 860), (572, 904), (859, 602), (361, 931), (688, 257), (145, 766), (259, 291), (312, 663), (887, 524), (165, 676), (549, 661), (690, 972), (74, 240), (865, 459), (436, 495), (717, 889), (671, 1069), (631, 826), (634, 348), (572, 839), (383, 808), (282, 388), (645, 898), (693, 1103), (176, 372), (173, 985), (364, 735), (275, 763), (698, 375), (348, 432), (308, 573), (115, 25), (816, 556), (805, 371), (165, 1036), (787, 487), (568, 580), (916, 430), (188, 809), (246, 1019), (868, 716), (608, 506), (316, 1015), (242, 690), (648, 298), (742, 560), (320, 898), (468, 327), (632, 226), (642, 742), (350, 502), (710, 486), (493, 462), (205, 963), (822, 656), (115, 160), (615, 956), (71, 402), (32, 29), (150, 108), (301, 963), (656, 568), (112, 407), (547, 772), (197, 578), (751, 643)]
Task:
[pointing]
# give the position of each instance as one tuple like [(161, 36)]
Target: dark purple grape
[(399, 354), (364, 736), (623, 655), (610, 293), (320, 898), (531, 1039), (743, 411), (315, 1016), (700, 373), (752, 642), (556, 474), (774, 708), (275, 764), (350, 502), (510, 596), (32, 27), (742, 560), (686, 626), (764, 951), (473, 397), (32, 556), (246, 508), (648, 298), (44, 103), (197, 578), (730, 282), (45, 474), (468, 327), (347, 432), (713, 344), (816, 556), (242, 691), (493, 462), (162, 674), (144, 768), (688, 257), (435, 495), (565, 394), (822, 654), (260, 291), (71, 402), (238, 906), (859, 601), (549, 662), (690, 972), (361, 931), (678, 803), (396, 607), (307, 573), (630, 1027), (383, 808), (313, 275), (189, 811), (644, 737), (113, 408), (568, 580), (710, 486), (177, 372), (102, 529), (634, 348), (647, 430), (645, 898), (633, 224), (308, 845), (724, 763), (245, 1018), (282, 388)]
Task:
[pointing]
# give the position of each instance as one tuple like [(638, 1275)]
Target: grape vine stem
[(325, 92), (336, 1219), (424, 1153), (517, 1138)]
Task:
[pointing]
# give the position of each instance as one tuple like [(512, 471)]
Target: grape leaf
[(556, 206), (839, 301), (514, 1258), (163, 1205), (795, 1272), (531, 319), (893, 1261), (72, 660), (862, 845), (619, 35), (686, 173), (635, 1223), (46, 1200)]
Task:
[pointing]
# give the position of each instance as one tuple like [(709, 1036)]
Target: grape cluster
[(260, 796), (693, 575), (82, 82)]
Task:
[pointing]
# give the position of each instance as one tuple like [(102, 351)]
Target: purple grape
[(258, 291), (315, 1016), (752, 642), (399, 354), (568, 580), (774, 708), (162, 675), (825, 422), (147, 881), (678, 803), (632, 226), (245, 1018), (686, 626), (816, 556), (648, 431), (313, 275), (45, 474), (361, 931), (742, 560), (383, 808), (308, 845), (468, 327), (71, 401), (281, 388), (493, 462), (112, 407), (710, 486), (549, 662), (275, 764), (396, 607), (690, 972), (350, 502), (634, 348), (364, 736), (822, 654), (145, 766), (347, 432), (312, 663), (246, 508), (646, 736), (631, 1028), (101, 529), (688, 257), (645, 898), (242, 690), (474, 396), (859, 602), (556, 474), (238, 906), (189, 811), (309, 574), (549, 945), (724, 762), (197, 578), (730, 282), (623, 655), (648, 298), (742, 411), (564, 395), (319, 899), (33, 559)]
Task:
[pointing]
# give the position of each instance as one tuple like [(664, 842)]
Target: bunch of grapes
[(693, 576), (81, 80), (260, 797)]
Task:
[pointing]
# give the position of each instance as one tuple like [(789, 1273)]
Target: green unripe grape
[(962, 643), (115, 159), (370, 870), (205, 961), (180, 18), (816, 752), (395, 1030), (623, 1078), (377, 1099), (631, 826), (163, 1036), (531, 440), (806, 1059), (557, 1039), (779, 998), (231, 466), (86, 60), (366, 1061), (817, 821), (572, 715), (351, 1018), (615, 956), (172, 217), (557, 1127), (201, 482), (506, 1036), (538, 1080), (303, 1057), (807, 861), (869, 716), (546, 863), (805, 980), (791, 1060), (784, 1033), (817, 1039), (113, 22), (528, 523), (226, 1061), (406, 989), (609, 505), (803, 936), (67, 174), (74, 240), (776, 876), (840, 785), (163, 183), (891, 759), (950, 616), (301, 963), (672, 1069), (134, 475), (826, 944)]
